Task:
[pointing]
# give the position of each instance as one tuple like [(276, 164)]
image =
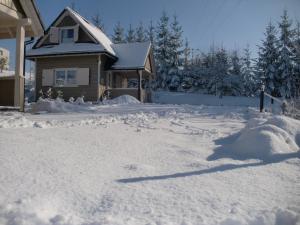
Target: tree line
[(220, 71)]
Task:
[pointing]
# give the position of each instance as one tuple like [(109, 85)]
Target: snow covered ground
[(149, 164)]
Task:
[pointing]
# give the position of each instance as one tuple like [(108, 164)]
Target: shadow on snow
[(220, 152)]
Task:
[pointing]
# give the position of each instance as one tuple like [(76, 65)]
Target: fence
[(289, 107)]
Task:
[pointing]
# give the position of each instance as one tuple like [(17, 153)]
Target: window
[(67, 35), (71, 77), (65, 77)]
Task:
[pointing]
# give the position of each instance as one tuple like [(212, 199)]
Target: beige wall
[(89, 91)]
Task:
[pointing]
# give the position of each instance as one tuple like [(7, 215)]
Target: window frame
[(61, 29), (66, 84)]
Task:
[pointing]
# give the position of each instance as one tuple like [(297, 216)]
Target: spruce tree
[(249, 80), (118, 36), (151, 33), (176, 42), (297, 60), (140, 33), (222, 78), (286, 58), (130, 37), (267, 63), (162, 50), (186, 53), (235, 74), (176, 51)]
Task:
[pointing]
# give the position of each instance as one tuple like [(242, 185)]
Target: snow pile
[(55, 106), (15, 122), (10, 215), (260, 139), (274, 217), (122, 100)]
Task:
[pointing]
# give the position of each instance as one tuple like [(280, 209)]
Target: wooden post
[(139, 72), (262, 94), (19, 79)]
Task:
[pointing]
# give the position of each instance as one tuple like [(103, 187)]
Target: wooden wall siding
[(148, 64), (103, 76), (90, 91), (83, 37), (7, 87), (66, 22)]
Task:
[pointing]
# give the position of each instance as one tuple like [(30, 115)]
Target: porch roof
[(11, 13), (131, 56)]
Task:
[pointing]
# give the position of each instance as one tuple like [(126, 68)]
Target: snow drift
[(56, 106), (122, 100), (262, 139)]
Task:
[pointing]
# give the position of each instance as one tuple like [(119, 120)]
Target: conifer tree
[(140, 33), (249, 80), (118, 36), (176, 42), (222, 79), (297, 60), (267, 64), (286, 57), (151, 33), (186, 52), (163, 50), (130, 37), (235, 74)]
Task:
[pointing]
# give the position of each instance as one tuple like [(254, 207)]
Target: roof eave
[(66, 54)]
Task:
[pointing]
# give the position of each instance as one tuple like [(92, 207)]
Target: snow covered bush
[(80, 100), (49, 93)]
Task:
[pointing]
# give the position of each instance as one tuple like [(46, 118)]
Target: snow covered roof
[(128, 55), (94, 31), (104, 43), (65, 49), (131, 55)]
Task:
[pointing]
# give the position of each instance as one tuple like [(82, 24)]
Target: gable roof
[(105, 44), (128, 55), (131, 55), (94, 31)]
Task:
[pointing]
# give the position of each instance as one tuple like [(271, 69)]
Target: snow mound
[(277, 135), (274, 217), (12, 215), (15, 122), (122, 100), (55, 106)]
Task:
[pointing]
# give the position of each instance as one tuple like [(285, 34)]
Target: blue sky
[(232, 23)]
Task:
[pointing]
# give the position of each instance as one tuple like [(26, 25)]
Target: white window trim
[(66, 28), (65, 84)]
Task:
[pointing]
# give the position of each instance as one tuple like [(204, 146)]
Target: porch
[(129, 82), (18, 20)]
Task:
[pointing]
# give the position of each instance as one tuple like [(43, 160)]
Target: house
[(18, 19), (4, 54), (77, 58)]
